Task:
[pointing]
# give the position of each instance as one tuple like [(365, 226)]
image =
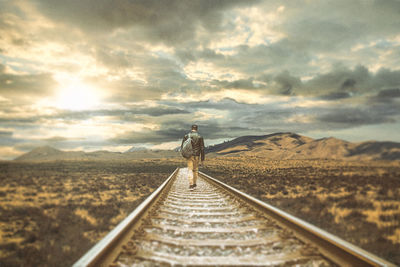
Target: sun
[(77, 95)]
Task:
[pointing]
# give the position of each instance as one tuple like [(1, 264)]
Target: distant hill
[(47, 153), (273, 146), (136, 148), (294, 146)]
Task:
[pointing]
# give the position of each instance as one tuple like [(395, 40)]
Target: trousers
[(193, 166)]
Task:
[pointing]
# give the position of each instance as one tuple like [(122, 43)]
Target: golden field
[(53, 212), (358, 201)]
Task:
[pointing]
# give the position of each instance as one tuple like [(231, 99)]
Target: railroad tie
[(210, 227), (218, 225)]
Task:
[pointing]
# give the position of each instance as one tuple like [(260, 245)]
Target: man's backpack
[(187, 148)]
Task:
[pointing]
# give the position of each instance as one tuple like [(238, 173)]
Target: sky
[(114, 74)]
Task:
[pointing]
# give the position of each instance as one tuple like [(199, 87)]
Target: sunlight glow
[(77, 95)]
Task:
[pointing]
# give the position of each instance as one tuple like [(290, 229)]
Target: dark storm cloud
[(169, 21)]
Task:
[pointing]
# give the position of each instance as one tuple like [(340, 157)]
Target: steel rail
[(98, 251), (337, 249)]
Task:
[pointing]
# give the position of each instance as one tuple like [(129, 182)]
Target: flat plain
[(53, 212), (358, 201)]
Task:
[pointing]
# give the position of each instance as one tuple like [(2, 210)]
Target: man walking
[(198, 153)]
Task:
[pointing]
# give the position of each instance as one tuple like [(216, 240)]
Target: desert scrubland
[(357, 200), (53, 212)]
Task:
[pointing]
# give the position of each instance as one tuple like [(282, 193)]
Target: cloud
[(175, 130), (312, 38), (9, 153), (335, 96), (359, 80), (128, 114), (234, 67), (6, 138), (386, 96), (31, 84), (5, 134), (55, 139), (350, 117), (287, 83), (262, 58), (338, 26), (389, 93), (339, 83), (168, 21), (236, 84), (23, 87)]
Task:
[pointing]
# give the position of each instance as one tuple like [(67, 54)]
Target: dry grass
[(51, 213), (358, 201)]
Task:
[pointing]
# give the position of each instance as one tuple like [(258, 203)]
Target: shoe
[(194, 185), (191, 187)]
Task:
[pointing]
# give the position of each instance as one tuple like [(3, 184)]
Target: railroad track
[(217, 225)]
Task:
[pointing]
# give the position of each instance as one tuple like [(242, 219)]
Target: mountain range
[(275, 146), (294, 146), (46, 153)]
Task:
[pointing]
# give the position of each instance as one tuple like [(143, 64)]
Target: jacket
[(197, 143)]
